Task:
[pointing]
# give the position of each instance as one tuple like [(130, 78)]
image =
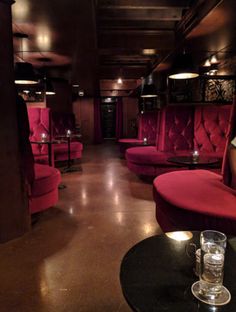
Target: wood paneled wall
[(84, 113), (62, 100), (130, 112)]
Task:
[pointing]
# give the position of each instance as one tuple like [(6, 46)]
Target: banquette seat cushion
[(46, 179), (44, 189), (194, 200)]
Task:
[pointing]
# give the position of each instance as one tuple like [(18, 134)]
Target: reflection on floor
[(70, 260)]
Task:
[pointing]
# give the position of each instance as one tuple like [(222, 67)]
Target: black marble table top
[(156, 276)]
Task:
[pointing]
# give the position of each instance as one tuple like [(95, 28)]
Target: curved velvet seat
[(199, 199), (61, 151), (147, 128), (182, 129), (44, 190), (61, 122), (194, 200)]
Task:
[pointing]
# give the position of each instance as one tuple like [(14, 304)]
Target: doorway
[(108, 111)]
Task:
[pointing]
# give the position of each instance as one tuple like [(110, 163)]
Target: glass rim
[(223, 239)]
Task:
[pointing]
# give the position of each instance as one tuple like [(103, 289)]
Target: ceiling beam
[(136, 41), (194, 16), (168, 14), (143, 3)]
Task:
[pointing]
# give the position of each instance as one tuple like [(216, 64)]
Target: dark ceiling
[(93, 42)]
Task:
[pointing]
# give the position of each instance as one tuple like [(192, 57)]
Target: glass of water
[(209, 288)]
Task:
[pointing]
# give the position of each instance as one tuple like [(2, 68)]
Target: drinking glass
[(209, 288)]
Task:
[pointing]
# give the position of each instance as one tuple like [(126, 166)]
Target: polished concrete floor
[(70, 260)]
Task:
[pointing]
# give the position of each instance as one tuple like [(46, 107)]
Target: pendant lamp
[(24, 72), (49, 90), (183, 67), (149, 89)]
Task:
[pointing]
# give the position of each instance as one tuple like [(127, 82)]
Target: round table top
[(190, 161), (156, 275)]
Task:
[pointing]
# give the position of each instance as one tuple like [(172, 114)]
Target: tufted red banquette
[(39, 121), (61, 122), (43, 187), (181, 129), (198, 199), (147, 128), (210, 129)]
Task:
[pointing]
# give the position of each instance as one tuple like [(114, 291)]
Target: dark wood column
[(14, 213)]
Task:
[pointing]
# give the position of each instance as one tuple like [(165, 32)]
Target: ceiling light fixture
[(148, 89), (49, 89), (24, 72), (149, 51), (183, 67), (119, 80)]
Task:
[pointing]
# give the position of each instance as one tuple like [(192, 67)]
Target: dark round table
[(156, 276), (191, 163)]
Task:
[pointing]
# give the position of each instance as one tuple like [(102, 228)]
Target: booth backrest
[(211, 127), (226, 170), (148, 126), (62, 122), (176, 128), (39, 120)]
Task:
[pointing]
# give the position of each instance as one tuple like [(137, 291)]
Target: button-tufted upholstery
[(39, 120), (60, 123), (147, 128), (198, 199), (210, 129), (43, 191), (176, 129), (181, 129)]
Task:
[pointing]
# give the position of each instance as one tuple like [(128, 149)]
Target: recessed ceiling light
[(149, 51), (75, 86)]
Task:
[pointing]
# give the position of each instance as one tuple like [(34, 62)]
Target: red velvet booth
[(180, 130), (61, 122), (40, 122), (196, 200), (52, 124), (147, 128), (43, 180)]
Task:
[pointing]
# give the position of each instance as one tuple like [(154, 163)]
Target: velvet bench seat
[(194, 200), (147, 128), (44, 190), (61, 151), (182, 129)]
